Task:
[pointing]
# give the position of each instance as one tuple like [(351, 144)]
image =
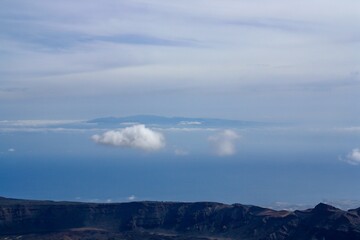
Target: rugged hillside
[(21, 219)]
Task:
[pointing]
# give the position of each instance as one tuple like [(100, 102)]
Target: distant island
[(174, 121), (49, 220)]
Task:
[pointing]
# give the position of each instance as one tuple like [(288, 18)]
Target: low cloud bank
[(137, 136), (190, 123), (224, 142)]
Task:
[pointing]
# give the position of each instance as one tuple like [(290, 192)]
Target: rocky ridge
[(27, 219)]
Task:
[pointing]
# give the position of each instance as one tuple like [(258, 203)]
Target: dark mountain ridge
[(31, 219)]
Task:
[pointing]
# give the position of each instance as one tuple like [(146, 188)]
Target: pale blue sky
[(292, 64), (261, 60)]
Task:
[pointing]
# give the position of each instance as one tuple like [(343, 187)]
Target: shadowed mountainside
[(28, 219)]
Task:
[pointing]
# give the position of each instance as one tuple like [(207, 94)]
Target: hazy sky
[(294, 65), (271, 60)]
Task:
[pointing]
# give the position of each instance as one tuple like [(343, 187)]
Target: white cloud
[(11, 150), (131, 198), (190, 123), (188, 129), (36, 123), (175, 46), (45, 126), (353, 157), (224, 142), (137, 136), (44, 130), (290, 206), (354, 129), (129, 123), (344, 204)]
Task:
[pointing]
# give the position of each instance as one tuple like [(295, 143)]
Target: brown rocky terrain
[(27, 219)]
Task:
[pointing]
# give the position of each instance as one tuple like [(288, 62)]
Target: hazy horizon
[(289, 72)]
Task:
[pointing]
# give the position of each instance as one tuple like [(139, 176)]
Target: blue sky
[(293, 64), (259, 60)]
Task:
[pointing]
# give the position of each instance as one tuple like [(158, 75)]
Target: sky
[(292, 64), (259, 60)]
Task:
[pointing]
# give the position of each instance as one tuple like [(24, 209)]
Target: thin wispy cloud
[(273, 24), (224, 142), (146, 40), (35, 123), (137, 136), (352, 129), (190, 123), (56, 52)]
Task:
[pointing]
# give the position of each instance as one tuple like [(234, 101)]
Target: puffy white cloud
[(224, 142), (353, 157), (137, 136)]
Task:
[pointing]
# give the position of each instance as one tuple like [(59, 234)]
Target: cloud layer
[(144, 51), (137, 136), (224, 142)]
